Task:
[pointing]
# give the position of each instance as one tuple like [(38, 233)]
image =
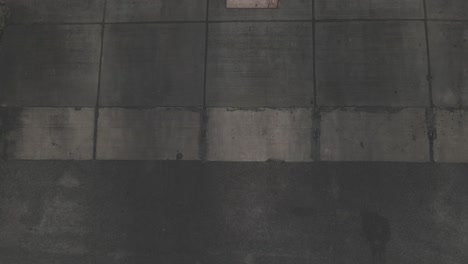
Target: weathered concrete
[(259, 134), (451, 143), (189, 212), (371, 64), (49, 65), (48, 133), (252, 3), (447, 9), (57, 11), (260, 64), (48, 212), (315, 213), (159, 133), (160, 10), (287, 10), (448, 42), (368, 9), (150, 212), (153, 65), (365, 135)]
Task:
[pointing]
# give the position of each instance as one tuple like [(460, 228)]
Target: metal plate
[(252, 3)]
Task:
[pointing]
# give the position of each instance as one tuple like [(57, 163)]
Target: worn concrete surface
[(259, 134), (260, 64), (451, 143), (364, 134), (49, 65), (252, 3), (192, 212), (449, 56), (287, 10), (56, 11), (160, 10), (371, 64), (369, 9), (153, 65), (447, 9), (204, 212), (158, 133), (47, 133)]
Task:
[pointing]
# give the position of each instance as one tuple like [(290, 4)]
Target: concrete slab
[(49, 215), (150, 10), (259, 134), (451, 144), (295, 213), (149, 212), (146, 134), (447, 9), (53, 65), (287, 10), (369, 9), (57, 11), (351, 134), (371, 64), (49, 133), (230, 212), (260, 64), (448, 43), (153, 65)]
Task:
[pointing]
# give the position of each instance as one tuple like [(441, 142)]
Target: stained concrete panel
[(287, 10), (369, 9), (48, 212), (159, 133), (260, 64), (448, 43), (447, 9), (230, 212), (50, 65), (153, 65), (160, 10), (451, 143), (371, 64), (318, 213), (150, 212), (351, 134), (56, 11), (48, 133), (259, 134)]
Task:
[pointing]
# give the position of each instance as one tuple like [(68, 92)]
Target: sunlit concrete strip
[(252, 3)]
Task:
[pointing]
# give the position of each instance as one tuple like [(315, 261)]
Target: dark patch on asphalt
[(376, 230)]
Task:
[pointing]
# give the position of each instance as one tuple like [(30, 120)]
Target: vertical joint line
[(430, 110), (204, 117), (316, 130), (316, 119), (314, 53), (431, 131), (96, 106)]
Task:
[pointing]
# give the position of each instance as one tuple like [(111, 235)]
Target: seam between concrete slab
[(429, 111), (239, 21), (314, 54), (202, 148), (316, 132), (316, 119), (96, 109)]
